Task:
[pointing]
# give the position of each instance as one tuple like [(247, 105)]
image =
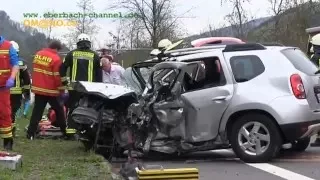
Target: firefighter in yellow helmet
[(315, 58), (84, 65), (21, 88)]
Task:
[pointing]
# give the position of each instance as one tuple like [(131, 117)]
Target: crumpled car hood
[(110, 91)]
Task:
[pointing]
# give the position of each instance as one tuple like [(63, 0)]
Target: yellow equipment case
[(168, 174)]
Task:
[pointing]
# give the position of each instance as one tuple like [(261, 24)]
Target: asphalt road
[(224, 165)]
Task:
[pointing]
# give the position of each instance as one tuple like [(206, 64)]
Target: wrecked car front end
[(101, 108)]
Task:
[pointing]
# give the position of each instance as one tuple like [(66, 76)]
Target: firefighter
[(22, 86), (315, 58), (9, 68), (84, 65), (46, 85), (164, 44)]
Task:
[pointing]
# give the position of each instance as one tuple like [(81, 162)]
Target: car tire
[(301, 145), (267, 134)]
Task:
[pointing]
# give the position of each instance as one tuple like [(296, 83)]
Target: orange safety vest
[(5, 66), (46, 79)]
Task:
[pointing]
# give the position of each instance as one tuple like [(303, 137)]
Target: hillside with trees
[(29, 39)]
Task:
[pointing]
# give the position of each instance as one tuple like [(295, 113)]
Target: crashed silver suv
[(250, 97)]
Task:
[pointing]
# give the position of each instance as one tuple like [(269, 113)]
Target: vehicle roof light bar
[(244, 47)]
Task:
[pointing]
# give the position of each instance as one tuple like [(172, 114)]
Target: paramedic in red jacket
[(46, 83), (9, 67)]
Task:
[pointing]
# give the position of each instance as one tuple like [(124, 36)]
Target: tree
[(238, 18), (85, 24), (155, 18)]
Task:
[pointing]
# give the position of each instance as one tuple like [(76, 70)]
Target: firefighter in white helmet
[(21, 88), (84, 65), (315, 49), (315, 58), (164, 44)]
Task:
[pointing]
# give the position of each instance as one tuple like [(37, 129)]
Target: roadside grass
[(46, 159)]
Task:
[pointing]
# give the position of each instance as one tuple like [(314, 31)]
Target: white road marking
[(283, 173), (269, 168)]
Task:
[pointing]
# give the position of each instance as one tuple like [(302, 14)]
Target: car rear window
[(300, 61)]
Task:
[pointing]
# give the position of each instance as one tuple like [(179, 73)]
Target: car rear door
[(207, 105)]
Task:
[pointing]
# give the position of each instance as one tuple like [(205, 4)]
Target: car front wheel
[(255, 138)]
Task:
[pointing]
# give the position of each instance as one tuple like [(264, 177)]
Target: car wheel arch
[(241, 113)]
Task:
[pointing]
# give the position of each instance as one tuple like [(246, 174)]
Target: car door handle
[(219, 98)]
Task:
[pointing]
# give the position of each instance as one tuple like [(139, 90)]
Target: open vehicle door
[(166, 81), (138, 74)]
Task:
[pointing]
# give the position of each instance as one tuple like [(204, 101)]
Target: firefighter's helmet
[(315, 40), (15, 45), (83, 37), (164, 43)]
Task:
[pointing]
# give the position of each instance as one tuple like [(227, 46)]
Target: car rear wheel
[(301, 144), (255, 138)]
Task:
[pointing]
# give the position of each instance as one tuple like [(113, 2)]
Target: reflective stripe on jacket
[(22, 82), (5, 67), (83, 65), (46, 78)]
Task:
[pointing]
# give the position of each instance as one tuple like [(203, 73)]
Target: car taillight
[(297, 86)]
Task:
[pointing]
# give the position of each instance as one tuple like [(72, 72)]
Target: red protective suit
[(5, 106), (45, 76)]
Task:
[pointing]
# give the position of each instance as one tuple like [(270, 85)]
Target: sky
[(200, 14)]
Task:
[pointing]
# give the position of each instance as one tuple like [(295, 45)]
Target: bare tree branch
[(85, 24), (156, 18)]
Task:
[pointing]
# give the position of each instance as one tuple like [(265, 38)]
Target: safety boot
[(8, 144), (316, 143)]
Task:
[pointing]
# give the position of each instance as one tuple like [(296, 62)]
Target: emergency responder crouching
[(9, 68), (21, 86), (84, 65), (315, 58), (46, 85)]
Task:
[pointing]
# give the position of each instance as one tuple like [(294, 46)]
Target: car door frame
[(229, 86), (138, 75)]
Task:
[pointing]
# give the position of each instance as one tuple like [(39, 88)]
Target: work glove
[(10, 82)]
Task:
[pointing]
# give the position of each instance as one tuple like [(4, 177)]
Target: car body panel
[(109, 91), (205, 108), (278, 100)]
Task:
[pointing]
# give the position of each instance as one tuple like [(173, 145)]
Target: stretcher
[(167, 174), (47, 130), (10, 160)]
